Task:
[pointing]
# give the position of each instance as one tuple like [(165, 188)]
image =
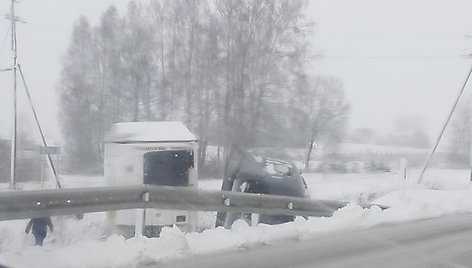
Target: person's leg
[(39, 239)]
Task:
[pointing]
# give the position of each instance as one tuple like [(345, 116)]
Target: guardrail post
[(141, 217), (255, 219)]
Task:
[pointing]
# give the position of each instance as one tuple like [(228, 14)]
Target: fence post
[(403, 167)]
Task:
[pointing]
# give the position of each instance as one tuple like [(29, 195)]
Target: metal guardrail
[(40, 203)]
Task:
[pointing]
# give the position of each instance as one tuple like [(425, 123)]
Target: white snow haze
[(401, 64), (395, 58)]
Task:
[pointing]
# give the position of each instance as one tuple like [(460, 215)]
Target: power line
[(395, 57), (47, 26), (412, 34), (4, 40)]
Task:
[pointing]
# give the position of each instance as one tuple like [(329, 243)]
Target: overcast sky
[(395, 58)]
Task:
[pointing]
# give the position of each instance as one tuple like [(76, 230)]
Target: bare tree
[(77, 91), (459, 135), (225, 67), (325, 110)]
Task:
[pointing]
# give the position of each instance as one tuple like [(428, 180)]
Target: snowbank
[(115, 251)]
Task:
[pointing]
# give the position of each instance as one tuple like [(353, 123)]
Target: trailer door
[(168, 168)]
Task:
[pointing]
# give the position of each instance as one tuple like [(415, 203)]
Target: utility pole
[(16, 67), (14, 110), (453, 108)]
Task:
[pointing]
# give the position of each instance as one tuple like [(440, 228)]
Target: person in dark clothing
[(40, 230)]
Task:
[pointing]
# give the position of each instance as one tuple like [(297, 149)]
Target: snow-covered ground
[(349, 148), (81, 243)]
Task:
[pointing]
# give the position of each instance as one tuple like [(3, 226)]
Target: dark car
[(246, 172)]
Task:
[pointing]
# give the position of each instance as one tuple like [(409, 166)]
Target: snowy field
[(77, 243)]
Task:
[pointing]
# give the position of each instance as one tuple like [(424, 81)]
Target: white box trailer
[(155, 153)]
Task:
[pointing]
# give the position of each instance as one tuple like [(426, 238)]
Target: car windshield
[(277, 168), (259, 133)]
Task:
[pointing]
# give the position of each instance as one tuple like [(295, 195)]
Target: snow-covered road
[(438, 242)]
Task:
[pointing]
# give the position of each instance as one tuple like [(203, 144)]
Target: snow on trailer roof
[(165, 131)]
